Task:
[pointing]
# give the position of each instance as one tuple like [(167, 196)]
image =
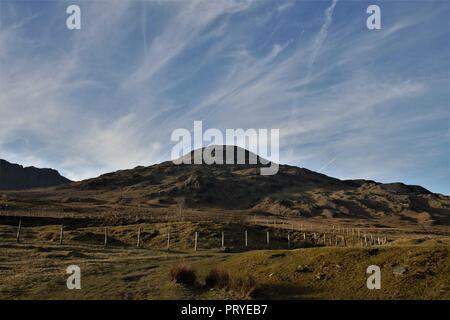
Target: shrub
[(217, 278), (183, 273), (244, 287)]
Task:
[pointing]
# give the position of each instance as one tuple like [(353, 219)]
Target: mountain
[(14, 176), (293, 191)]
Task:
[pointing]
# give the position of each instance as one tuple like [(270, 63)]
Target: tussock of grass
[(218, 278), (243, 287), (183, 273)]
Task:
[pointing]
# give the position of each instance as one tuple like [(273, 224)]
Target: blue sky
[(350, 102)]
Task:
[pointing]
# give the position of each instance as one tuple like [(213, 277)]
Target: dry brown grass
[(183, 273), (218, 278), (243, 287)]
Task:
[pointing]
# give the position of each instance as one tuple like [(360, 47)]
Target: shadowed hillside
[(14, 176)]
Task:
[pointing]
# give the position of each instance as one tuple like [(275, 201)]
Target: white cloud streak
[(322, 35)]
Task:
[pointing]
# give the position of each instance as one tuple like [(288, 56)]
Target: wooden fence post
[(106, 237), (246, 239), (61, 235), (268, 238), (196, 238), (223, 240), (18, 231), (138, 244)]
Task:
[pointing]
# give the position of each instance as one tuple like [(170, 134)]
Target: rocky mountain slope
[(14, 176), (292, 191)]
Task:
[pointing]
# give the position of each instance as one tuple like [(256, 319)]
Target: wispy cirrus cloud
[(347, 100), (322, 35)]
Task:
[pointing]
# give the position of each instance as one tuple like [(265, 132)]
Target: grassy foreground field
[(34, 271)]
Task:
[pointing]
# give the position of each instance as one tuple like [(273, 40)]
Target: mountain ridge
[(15, 176), (293, 191)]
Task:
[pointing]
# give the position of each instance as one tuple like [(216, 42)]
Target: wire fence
[(199, 235)]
